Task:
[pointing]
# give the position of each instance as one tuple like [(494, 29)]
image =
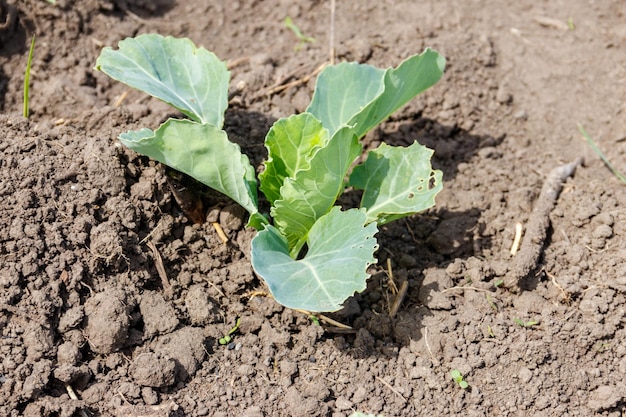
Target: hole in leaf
[(411, 195), (431, 182)]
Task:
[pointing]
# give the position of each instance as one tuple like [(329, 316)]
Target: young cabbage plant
[(312, 254)]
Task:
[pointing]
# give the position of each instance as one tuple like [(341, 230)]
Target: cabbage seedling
[(226, 339), (458, 378), (312, 254), (296, 31)]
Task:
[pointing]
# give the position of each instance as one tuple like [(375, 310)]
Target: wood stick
[(526, 259), (517, 240), (158, 262), (220, 232), (399, 299)]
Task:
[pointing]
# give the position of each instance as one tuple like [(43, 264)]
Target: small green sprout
[(498, 283), (458, 378), (26, 110), (314, 319), (570, 23), (490, 332), (529, 323), (296, 30), (227, 337)]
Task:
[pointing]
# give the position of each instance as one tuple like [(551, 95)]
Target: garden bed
[(109, 292)]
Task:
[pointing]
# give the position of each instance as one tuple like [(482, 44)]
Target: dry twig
[(73, 396), (566, 297), (430, 352), (158, 262), (281, 86), (233, 63), (526, 259), (388, 385), (220, 232), (121, 98), (335, 323), (517, 239), (464, 287), (399, 299), (326, 319), (392, 283)]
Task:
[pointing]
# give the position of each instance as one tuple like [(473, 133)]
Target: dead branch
[(527, 258)]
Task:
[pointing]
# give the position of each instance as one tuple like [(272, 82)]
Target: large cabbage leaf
[(191, 79), (340, 248)]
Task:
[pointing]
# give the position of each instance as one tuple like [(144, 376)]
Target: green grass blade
[(597, 150), (26, 109)]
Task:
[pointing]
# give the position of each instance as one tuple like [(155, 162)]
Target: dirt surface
[(85, 224)]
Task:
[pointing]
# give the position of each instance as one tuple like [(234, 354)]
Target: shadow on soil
[(452, 145), (12, 40), (410, 246), (145, 9), (191, 198)]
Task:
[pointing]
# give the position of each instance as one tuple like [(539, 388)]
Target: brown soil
[(83, 221)]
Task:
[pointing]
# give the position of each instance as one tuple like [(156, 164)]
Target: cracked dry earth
[(109, 291)]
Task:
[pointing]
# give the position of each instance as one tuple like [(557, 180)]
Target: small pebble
[(238, 346), (604, 397), (521, 115), (231, 346), (342, 403), (525, 375), (201, 409), (603, 231), (312, 359), (149, 396), (489, 152), (456, 269), (605, 218), (503, 96)]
